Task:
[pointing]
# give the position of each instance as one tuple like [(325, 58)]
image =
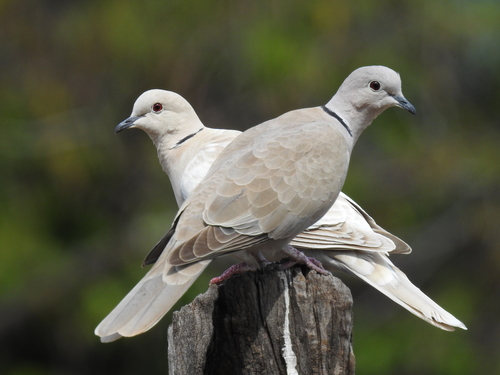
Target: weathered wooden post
[(265, 322)]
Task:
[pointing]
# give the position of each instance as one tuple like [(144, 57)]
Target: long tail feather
[(149, 300), (378, 271)]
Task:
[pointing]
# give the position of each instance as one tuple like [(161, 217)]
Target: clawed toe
[(297, 256), (235, 269)]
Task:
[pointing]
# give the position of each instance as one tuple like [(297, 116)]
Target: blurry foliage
[(80, 208)]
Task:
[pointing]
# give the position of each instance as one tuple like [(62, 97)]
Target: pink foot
[(297, 256), (260, 259), (235, 269)]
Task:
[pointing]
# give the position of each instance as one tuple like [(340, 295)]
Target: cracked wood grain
[(239, 326)]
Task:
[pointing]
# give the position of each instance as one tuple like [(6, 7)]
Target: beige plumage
[(271, 183)]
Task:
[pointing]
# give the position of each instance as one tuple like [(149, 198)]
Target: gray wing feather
[(262, 187)]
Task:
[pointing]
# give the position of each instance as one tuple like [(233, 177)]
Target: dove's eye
[(375, 85), (157, 107)]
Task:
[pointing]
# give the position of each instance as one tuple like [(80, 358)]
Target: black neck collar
[(186, 138), (341, 120)]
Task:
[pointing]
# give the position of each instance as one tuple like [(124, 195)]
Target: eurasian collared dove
[(186, 148), (349, 238)]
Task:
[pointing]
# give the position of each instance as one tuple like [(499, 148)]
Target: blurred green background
[(81, 207)]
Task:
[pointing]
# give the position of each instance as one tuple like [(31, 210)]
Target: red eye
[(375, 85), (157, 107)]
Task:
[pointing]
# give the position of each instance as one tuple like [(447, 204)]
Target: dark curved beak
[(405, 104), (126, 124)]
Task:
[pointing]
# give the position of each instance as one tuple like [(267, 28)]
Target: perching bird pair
[(270, 192)]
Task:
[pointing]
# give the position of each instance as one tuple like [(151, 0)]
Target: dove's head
[(366, 93), (162, 113)]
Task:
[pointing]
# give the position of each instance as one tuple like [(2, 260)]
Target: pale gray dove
[(186, 149)]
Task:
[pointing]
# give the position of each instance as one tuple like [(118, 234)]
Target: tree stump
[(265, 322)]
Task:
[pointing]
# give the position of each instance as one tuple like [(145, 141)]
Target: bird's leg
[(235, 269), (297, 256), (260, 258)]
